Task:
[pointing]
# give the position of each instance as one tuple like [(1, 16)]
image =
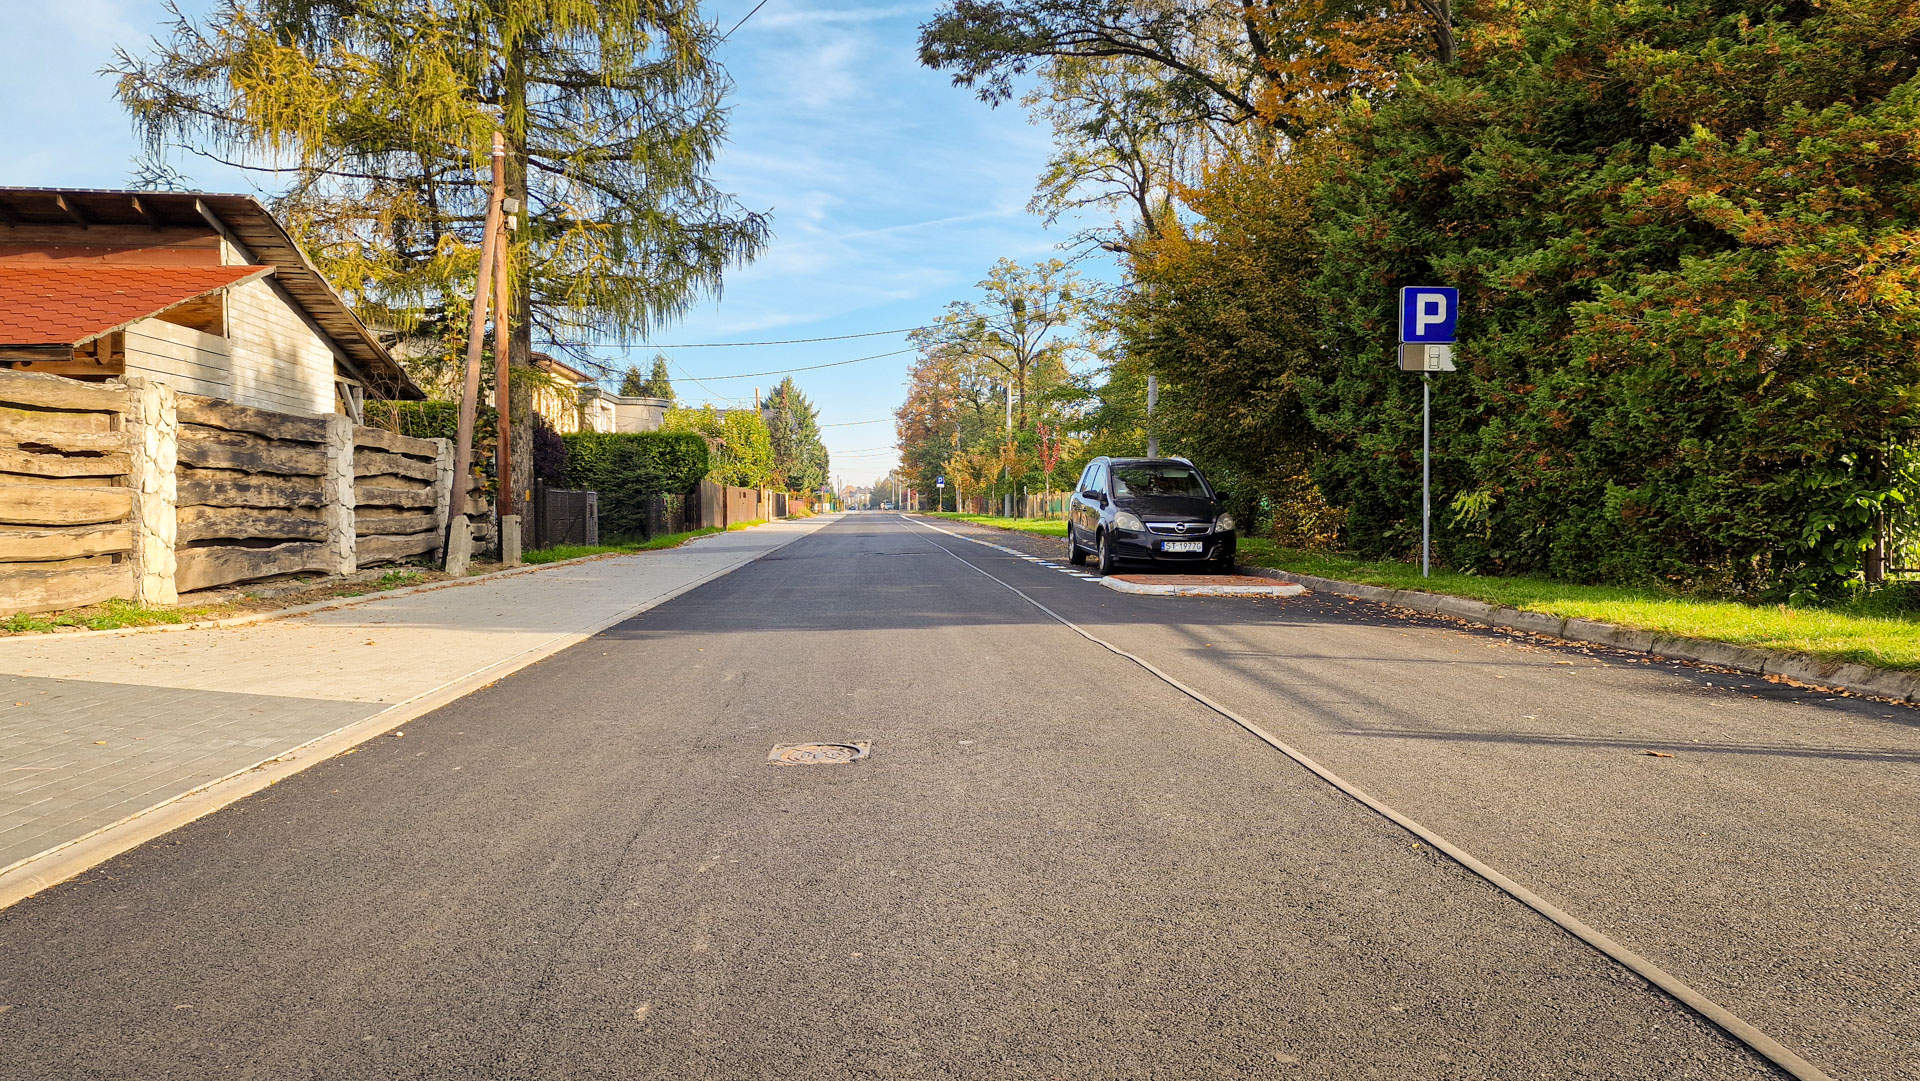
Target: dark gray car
[(1158, 511)]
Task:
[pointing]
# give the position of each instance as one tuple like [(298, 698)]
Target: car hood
[(1171, 508)]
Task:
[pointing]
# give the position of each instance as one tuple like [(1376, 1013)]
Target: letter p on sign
[(1428, 313)]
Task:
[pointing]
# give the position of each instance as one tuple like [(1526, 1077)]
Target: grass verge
[(1853, 632), (746, 525), (106, 616), (574, 551)]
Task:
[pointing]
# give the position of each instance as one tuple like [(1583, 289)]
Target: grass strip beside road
[(1861, 632), (574, 551)]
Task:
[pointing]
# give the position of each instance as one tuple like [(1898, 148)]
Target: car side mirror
[(1089, 493)]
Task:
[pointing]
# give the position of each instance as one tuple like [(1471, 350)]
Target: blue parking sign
[(1428, 313)]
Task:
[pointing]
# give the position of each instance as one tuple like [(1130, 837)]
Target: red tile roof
[(44, 304)]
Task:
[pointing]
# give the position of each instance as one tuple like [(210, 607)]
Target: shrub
[(628, 468), (429, 420)]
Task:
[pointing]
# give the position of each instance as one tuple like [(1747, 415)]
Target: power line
[(808, 368), (852, 423), (743, 19), (789, 341), (1101, 291)]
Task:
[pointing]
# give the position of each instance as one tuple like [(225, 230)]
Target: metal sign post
[(1429, 316)]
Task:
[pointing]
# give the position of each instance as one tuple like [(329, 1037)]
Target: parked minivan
[(1159, 511)]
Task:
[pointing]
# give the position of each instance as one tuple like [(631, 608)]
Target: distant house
[(205, 292)]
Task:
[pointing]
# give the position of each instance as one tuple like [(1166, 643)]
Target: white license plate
[(1180, 546)]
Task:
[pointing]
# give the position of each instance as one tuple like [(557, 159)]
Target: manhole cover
[(817, 754)]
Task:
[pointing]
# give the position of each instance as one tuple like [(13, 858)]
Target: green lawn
[(574, 551), (1854, 632)]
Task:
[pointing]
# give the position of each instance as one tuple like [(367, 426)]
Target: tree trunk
[(520, 349)]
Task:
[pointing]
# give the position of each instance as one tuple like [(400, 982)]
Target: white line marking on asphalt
[(1037, 560), (1721, 1017)]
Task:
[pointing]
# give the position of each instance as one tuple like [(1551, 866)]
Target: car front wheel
[(1106, 554)]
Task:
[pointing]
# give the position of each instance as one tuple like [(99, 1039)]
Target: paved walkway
[(97, 728)]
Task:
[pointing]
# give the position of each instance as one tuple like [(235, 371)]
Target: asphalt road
[(1053, 865)]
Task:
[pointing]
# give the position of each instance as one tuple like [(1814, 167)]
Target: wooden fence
[(130, 489), (66, 507), (251, 494), (398, 506)]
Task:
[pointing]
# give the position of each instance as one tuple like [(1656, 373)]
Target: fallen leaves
[(1657, 754)]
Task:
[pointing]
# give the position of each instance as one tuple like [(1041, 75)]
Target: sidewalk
[(99, 729)]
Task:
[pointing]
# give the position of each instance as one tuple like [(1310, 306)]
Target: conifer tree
[(380, 113)]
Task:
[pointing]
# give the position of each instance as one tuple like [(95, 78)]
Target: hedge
[(628, 468), (429, 420)]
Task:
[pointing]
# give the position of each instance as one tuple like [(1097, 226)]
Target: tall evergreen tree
[(381, 114), (660, 383), (799, 455)]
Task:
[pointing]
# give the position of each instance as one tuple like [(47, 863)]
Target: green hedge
[(428, 420), (627, 468)]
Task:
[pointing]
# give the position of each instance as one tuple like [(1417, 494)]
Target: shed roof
[(251, 224), (71, 304)]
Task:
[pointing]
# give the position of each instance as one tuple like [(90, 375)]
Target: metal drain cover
[(817, 754)]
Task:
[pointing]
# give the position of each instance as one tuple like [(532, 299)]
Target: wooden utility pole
[(459, 536), (505, 501)]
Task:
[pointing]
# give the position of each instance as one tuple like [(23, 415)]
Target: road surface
[(1052, 865)]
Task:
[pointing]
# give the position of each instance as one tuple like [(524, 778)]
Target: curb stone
[(1801, 667)]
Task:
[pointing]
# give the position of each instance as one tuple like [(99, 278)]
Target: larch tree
[(377, 116)]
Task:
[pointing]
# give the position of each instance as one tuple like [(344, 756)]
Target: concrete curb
[(349, 602), (44, 870), (1801, 667), (1282, 589)]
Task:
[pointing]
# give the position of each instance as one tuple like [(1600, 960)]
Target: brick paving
[(94, 728)]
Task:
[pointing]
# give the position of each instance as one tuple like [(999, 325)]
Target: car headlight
[(1128, 520), (1224, 523)]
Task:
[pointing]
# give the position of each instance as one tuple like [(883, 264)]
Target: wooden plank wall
[(278, 361), (251, 493), (186, 359), (66, 529), (393, 495)]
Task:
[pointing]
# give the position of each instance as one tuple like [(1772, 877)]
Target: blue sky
[(891, 191)]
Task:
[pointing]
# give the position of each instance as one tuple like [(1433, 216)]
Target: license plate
[(1179, 546)]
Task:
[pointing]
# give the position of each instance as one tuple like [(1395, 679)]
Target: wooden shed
[(204, 292)]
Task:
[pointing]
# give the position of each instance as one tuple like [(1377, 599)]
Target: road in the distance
[(1053, 866), (1773, 862)]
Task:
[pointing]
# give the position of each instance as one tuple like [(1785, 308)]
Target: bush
[(628, 468), (429, 420)]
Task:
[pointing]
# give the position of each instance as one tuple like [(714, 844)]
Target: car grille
[(1172, 529)]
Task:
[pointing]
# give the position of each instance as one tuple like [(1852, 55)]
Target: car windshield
[(1169, 478)]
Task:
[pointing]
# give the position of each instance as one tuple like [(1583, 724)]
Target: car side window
[(1097, 477)]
